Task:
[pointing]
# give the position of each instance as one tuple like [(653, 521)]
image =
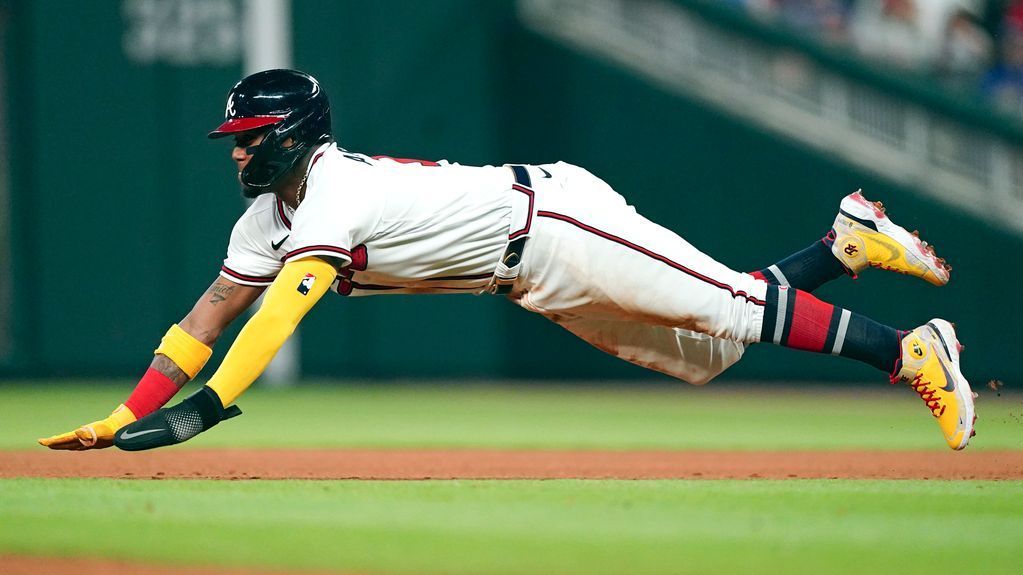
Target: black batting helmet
[(292, 105)]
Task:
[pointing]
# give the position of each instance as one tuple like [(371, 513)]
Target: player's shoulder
[(260, 207), (263, 216), (335, 169), (336, 156)]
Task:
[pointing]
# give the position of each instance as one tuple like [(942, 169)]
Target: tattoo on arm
[(164, 365), (219, 292)]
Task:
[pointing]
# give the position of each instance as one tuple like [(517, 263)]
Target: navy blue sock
[(796, 319), (807, 269), (873, 343)]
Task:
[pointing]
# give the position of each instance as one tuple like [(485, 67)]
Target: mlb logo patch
[(306, 284)]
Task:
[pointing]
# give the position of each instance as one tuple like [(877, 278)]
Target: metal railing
[(936, 150)]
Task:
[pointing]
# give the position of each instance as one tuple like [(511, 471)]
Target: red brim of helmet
[(236, 125)]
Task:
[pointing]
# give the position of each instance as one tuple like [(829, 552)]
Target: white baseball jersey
[(591, 263), (400, 226)]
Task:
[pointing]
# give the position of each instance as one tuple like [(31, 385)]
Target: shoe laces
[(923, 389)]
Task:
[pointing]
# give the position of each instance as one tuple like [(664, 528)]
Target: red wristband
[(152, 392)]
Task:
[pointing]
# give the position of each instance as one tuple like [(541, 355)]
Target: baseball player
[(553, 238)]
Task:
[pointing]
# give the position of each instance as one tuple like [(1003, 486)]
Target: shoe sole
[(858, 209), (947, 336)]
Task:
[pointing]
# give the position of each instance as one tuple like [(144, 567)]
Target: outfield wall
[(121, 208), (5, 213)]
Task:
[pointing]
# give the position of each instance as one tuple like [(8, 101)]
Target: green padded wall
[(121, 208)]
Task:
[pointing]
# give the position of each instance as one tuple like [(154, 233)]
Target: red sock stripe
[(760, 276), (811, 319), (153, 391)]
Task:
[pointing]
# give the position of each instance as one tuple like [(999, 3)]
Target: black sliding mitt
[(171, 425)]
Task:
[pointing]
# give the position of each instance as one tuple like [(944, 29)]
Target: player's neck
[(291, 187), (288, 193), (287, 189)]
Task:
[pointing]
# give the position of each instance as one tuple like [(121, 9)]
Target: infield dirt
[(511, 464)]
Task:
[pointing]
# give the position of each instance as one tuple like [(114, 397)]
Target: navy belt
[(517, 241)]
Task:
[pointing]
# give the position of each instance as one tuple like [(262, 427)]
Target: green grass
[(663, 417), (570, 526), (565, 526)]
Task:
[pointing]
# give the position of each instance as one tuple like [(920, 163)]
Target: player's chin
[(246, 191)]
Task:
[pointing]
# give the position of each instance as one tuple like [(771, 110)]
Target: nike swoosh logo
[(546, 174), (128, 435), (951, 385), (277, 246)]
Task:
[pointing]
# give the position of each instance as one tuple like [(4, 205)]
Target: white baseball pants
[(628, 286)]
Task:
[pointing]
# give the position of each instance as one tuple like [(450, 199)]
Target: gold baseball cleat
[(930, 364), (865, 237)]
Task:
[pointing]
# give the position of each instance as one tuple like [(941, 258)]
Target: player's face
[(242, 142), (246, 141)]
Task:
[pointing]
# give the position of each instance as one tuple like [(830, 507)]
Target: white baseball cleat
[(865, 237)]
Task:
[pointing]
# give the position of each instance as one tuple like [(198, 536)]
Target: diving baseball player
[(553, 238)]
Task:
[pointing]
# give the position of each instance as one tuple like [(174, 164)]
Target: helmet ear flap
[(266, 165), (282, 147)]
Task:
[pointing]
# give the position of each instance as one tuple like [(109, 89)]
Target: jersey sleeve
[(250, 260), (332, 222)]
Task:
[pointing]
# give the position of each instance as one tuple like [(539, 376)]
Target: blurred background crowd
[(974, 47)]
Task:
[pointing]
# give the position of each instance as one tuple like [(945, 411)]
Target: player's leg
[(927, 357), (862, 236), (807, 269), (693, 357), (591, 255)]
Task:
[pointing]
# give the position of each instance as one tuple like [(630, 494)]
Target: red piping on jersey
[(345, 284), (281, 214), (529, 215), (358, 285), (321, 248), (313, 163), (248, 278), (654, 255), (460, 278), (360, 258), (426, 163)]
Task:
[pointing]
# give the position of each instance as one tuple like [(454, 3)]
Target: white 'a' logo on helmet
[(230, 106)]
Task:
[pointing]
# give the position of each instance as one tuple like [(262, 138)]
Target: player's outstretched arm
[(299, 285), (182, 353)]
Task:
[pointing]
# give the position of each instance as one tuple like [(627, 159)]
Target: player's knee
[(704, 357), (701, 378)]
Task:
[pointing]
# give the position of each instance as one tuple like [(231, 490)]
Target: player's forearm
[(161, 382), (179, 358), (297, 288), (186, 347), (166, 367), (222, 303)]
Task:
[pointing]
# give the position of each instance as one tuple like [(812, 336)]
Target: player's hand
[(95, 435), (171, 425)]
